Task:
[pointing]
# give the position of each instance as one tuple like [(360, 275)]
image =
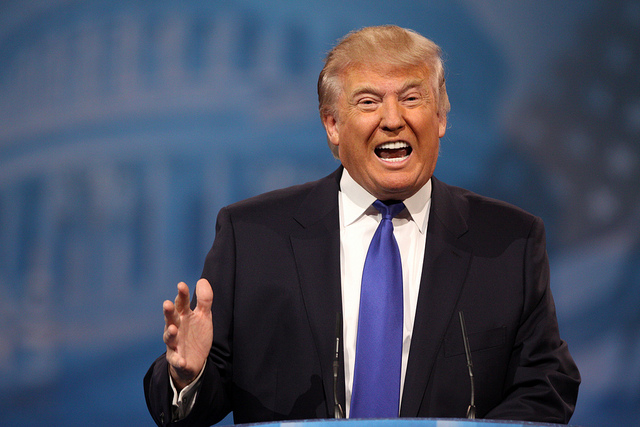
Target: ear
[(442, 125), (331, 127)]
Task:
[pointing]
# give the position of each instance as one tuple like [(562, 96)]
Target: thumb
[(204, 295)]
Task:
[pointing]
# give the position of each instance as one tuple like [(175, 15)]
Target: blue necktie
[(376, 378)]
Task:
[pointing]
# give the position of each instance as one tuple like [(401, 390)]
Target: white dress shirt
[(358, 223)]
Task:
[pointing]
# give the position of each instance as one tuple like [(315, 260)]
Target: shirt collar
[(356, 200)]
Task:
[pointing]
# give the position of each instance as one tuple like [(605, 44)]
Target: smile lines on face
[(393, 151)]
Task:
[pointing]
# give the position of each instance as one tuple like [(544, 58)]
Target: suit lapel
[(443, 273), (316, 250)]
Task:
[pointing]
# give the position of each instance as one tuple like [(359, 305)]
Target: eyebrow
[(365, 89), (411, 84)]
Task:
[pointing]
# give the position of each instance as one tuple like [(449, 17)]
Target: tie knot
[(388, 211)]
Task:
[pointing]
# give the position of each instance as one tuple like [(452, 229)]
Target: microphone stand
[(337, 408), (471, 411)]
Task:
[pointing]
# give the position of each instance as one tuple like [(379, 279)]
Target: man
[(261, 338)]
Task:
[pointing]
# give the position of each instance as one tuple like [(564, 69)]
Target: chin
[(394, 193)]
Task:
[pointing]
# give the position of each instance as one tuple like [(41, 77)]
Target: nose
[(392, 119)]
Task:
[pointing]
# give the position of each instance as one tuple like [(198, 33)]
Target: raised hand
[(188, 333)]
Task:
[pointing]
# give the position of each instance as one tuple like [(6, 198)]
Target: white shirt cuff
[(183, 402)]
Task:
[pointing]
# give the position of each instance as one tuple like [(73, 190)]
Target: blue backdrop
[(126, 125)]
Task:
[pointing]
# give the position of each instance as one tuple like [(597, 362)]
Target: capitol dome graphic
[(125, 129)]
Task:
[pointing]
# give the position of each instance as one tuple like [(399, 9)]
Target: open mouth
[(393, 151)]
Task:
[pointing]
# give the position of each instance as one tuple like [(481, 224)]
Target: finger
[(170, 337), (204, 295), (169, 311), (182, 300)]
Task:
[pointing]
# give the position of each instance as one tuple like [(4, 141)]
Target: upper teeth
[(393, 145)]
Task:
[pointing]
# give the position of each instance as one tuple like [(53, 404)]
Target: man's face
[(387, 129)]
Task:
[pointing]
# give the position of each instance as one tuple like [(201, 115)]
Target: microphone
[(471, 411), (337, 408)]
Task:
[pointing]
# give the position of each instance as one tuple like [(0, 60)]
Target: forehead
[(383, 76)]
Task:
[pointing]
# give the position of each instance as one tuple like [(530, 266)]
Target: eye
[(367, 103), (413, 97)]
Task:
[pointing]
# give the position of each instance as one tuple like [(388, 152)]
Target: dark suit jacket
[(275, 272)]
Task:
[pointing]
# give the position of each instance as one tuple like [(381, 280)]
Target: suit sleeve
[(213, 402), (542, 380)]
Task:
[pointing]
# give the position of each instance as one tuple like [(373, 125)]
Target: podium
[(404, 422)]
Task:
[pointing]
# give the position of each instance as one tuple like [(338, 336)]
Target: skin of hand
[(188, 333)]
